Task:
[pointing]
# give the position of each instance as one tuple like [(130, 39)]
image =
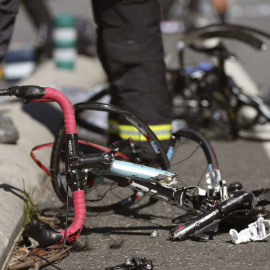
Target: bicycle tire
[(192, 140), (127, 200), (92, 129)]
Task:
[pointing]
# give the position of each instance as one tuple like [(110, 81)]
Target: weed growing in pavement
[(30, 209)]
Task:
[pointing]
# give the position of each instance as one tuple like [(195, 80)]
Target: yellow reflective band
[(140, 137), (127, 127), (163, 132), (161, 127)]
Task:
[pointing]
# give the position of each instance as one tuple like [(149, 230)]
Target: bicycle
[(205, 96), (218, 203), (159, 160)]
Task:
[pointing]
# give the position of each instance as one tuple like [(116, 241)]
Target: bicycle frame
[(142, 178)]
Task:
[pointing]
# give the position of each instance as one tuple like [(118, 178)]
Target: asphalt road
[(107, 240)]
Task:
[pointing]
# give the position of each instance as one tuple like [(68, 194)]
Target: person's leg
[(131, 51), (8, 12), (38, 12), (166, 6)]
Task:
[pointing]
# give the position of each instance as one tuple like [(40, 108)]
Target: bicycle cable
[(111, 188), (181, 161), (66, 217)]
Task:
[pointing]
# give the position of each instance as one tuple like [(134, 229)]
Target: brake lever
[(42, 233)]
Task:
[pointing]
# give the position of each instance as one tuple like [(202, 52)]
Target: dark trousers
[(131, 51), (8, 12)]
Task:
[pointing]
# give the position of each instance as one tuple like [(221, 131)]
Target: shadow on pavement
[(46, 114), (13, 190), (136, 230)]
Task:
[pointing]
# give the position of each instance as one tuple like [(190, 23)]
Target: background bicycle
[(207, 96)]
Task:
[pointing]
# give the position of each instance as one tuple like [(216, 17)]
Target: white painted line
[(242, 79)]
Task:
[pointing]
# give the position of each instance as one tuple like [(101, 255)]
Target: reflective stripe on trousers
[(163, 132)]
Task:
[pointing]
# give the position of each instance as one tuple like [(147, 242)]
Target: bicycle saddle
[(217, 51)]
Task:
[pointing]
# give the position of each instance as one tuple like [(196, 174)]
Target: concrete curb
[(19, 170)]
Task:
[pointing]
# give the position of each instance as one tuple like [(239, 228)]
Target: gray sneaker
[(8, 132)]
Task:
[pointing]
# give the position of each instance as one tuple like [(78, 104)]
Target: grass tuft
[(30, 208)]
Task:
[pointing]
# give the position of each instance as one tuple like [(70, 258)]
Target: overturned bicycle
[(88, 165)]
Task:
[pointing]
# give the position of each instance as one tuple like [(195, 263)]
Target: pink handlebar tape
[(74, 230), (65, 104)]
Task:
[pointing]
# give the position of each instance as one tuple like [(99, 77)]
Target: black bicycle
[(205, 96), (85, 169)]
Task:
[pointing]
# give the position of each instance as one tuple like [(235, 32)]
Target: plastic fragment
[(154, 234), (256, 231)]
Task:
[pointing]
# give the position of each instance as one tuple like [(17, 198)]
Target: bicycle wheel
[(92, 125), (107, 197), (191, 157)]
